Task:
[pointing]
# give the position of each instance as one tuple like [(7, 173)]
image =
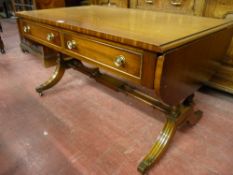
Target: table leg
[(2, 49), (176, 116), (159, 147), (184, 114), (54, 79), (1, 27)]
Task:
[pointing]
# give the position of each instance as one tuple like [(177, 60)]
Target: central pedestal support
[(176, 116)]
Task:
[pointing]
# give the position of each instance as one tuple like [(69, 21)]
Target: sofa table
[(140, 52)]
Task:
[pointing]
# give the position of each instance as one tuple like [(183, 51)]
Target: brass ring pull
[(176, 2), (50, 37), (149, 1), (119, 61), (26, 29), (71, 44)]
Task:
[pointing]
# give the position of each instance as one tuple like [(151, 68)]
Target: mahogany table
[(170, 55)]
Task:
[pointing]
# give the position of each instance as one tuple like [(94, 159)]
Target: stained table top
[(155, 31)]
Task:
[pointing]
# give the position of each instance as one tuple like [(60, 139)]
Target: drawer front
[(174, 6), (40, 33), (116, 59)]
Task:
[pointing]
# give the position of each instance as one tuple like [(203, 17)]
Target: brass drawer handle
[(26, 29), (149, 1), (176, 2), (71, 44), (50, 37), (119, 61)]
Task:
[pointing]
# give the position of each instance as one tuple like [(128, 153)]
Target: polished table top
[(149, 30)]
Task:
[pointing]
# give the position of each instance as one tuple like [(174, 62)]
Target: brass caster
[(24, 51), (142, 168), (39, 91), (41, 94), (3, 51)]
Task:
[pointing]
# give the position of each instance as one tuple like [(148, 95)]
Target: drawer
[(174, 6), (40, 33), (116, 59)]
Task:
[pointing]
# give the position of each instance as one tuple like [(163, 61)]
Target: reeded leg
[(54, 79), (184, 114), (160, 146)]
